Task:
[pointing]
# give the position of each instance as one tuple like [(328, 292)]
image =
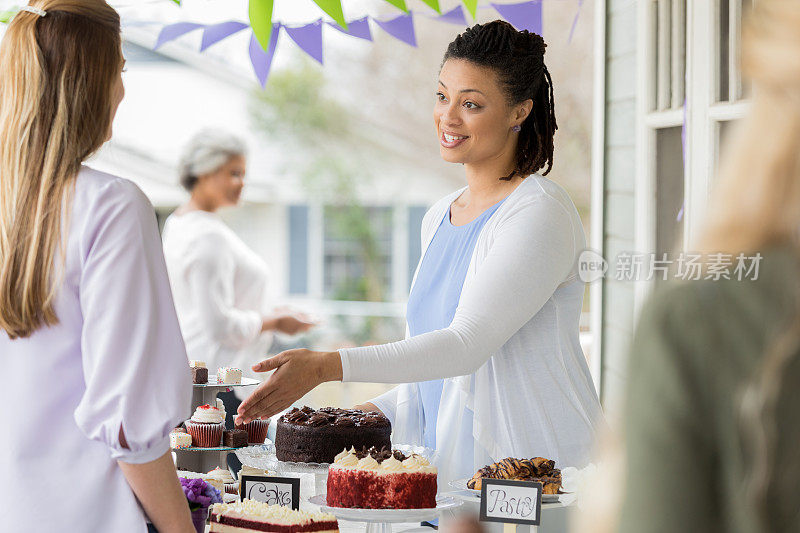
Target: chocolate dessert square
[(199, 375), (234, 438)]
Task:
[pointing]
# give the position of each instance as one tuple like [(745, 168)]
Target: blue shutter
[(415, 214), (298, 249)]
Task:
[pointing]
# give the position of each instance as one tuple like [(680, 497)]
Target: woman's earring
[(516, 129)]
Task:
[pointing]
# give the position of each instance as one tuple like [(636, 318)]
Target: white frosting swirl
[(349, 460), (341, 455), (417, 463), (368, 463), (208, 414), (392, 465), (220, 474)]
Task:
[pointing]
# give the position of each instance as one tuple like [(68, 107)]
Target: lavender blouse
[(115, 360)]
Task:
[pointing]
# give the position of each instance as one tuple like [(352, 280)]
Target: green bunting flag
[(434, 4), (7, 15), (334, 9), (472, 7), (260, 12), (401, 4)]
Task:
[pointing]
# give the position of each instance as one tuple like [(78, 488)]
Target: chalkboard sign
[(271, 490), (511, 502)]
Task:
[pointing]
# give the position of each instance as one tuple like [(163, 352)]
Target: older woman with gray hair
[(220, 286)]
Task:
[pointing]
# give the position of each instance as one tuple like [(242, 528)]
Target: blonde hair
[(757, 205), (57, 74)]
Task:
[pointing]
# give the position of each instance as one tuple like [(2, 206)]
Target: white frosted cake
[(179, 439), (229, 375), (250, 515)]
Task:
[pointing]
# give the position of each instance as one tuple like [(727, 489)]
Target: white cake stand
[(381, 520)]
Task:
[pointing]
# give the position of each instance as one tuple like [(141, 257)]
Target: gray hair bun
[(205, 153)]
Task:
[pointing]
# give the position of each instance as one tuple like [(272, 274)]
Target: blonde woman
[(86, 314), (712, 426)]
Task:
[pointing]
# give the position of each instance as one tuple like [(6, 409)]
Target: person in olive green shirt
[(712, 439), (698, 349)]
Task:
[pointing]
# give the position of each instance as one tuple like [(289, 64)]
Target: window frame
[(703, 116)]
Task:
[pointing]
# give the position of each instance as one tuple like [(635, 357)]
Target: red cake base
[(367, 489)]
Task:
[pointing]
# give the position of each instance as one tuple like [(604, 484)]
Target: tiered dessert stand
[(196, 459)]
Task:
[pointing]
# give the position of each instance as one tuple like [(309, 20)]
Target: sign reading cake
[(511, 502), (283, 491)]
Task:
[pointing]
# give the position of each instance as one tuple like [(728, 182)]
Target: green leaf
[(260, 12), (399, 4), (472, 7), (434, 4), (7, 15), (177, 2), (334, 9)]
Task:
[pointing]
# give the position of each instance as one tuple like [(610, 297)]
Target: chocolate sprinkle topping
[(334, 416)]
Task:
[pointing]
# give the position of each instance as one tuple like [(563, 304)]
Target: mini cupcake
[(256, 430), (206, 426), (230, 484)]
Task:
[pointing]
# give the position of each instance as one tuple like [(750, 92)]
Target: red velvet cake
[(250, 515), (372, 479)]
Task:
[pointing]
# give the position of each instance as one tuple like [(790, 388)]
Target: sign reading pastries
[(283, 491), (511, 502)]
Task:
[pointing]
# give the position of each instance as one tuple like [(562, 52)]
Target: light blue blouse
[(435, 295)]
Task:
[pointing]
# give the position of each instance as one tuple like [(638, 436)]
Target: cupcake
[(256, 430), (206, 426), (224, 476)]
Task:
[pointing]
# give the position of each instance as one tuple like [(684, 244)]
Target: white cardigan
[(511, 354)]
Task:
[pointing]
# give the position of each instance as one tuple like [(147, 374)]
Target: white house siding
[(619, 192)]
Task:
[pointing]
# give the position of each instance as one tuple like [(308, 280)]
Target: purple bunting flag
[(261, 60), (173, 31), (401, 27), (214, 34), (523, 16), (309, 38), (357, 28), (575, 20), (454, 16)]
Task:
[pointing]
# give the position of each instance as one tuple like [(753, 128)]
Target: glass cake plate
[(263, 457), (212, 383), (386, 516), (198, 449), (461, 484)]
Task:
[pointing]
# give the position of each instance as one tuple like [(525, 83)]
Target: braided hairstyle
[(518, 59)]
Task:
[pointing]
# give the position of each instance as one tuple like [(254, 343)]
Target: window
[(690, 90), (357, 253)]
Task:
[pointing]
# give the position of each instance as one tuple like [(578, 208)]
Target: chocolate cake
[(317, 436), (199, 375), (234, 438)]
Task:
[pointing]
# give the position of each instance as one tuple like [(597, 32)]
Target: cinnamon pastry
[(535, 469)]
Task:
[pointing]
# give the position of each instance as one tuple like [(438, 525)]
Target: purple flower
[(199, 494)]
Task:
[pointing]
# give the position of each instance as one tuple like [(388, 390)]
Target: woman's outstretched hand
[(296, 373)]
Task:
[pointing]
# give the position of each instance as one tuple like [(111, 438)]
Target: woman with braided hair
[(492, 366)]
